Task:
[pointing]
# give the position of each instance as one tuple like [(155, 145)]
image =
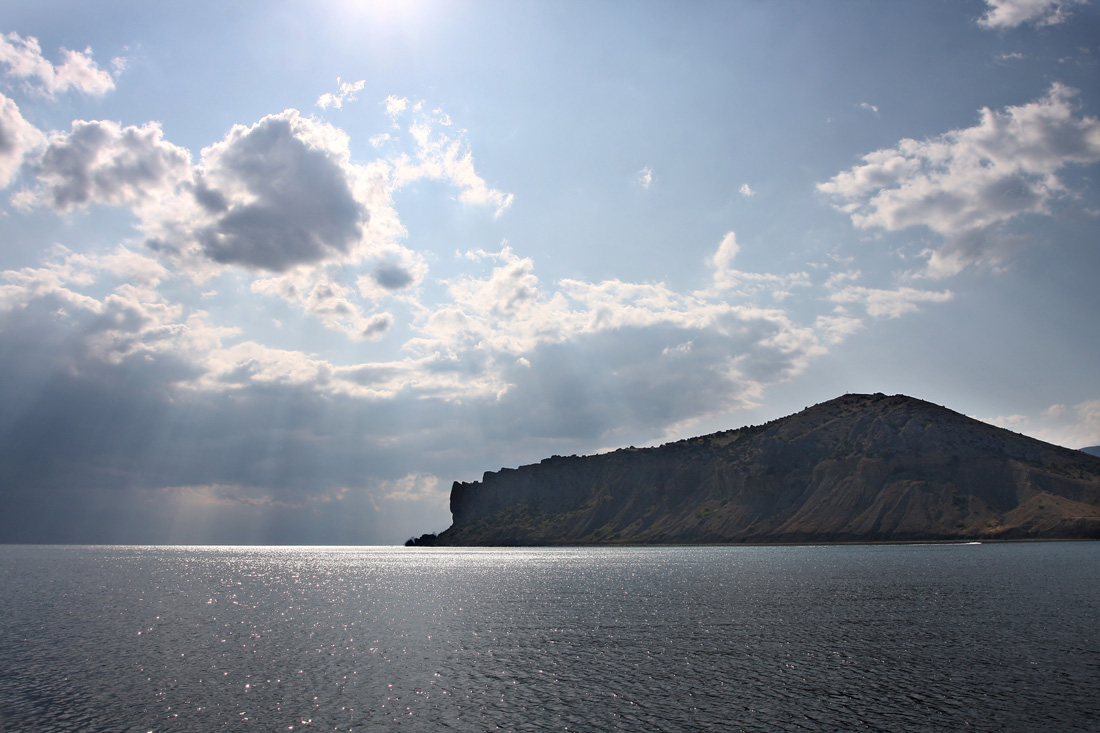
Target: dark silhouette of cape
[(860, 468)]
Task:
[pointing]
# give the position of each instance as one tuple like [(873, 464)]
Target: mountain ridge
[(858, 468)]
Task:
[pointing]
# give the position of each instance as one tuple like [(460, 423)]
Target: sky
[(278, 273)]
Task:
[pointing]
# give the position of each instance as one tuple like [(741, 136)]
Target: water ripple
[(988, 638)]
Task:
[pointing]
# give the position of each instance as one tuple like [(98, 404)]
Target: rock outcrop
[(860, 468)]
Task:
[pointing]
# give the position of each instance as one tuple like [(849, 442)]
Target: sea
[(937, 637)]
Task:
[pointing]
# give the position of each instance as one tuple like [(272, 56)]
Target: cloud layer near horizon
[(278, 209)]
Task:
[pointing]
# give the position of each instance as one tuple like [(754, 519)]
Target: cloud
[(881, 303), (333, 304), (966, 184), (441, 156), (104, 163), (24, 60), (132, 324), (869, 107), (393, 269), (19, 139), (269, 197), (1013, 13), (165, 417), (497, 344), (392, 276), (510, 286), (722, 259), (414, 487), (171, 419), (837, 328), (346, 93), (728, 279), (278, 194), (598, 385), (395, 106), (279, 198), (1075, 426), (1009, 422), (746, 190), (584, 358), (645, 177)]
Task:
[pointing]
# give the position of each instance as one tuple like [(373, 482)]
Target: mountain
[(1093, 450), (860, 468)]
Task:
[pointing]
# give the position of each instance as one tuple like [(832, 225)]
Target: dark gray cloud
[(377, 325), (107, 446), (279, 197), (100, 452), (392, 276)]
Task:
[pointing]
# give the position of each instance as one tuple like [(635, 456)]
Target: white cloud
[(1008, 422), (746, 190), (105, 163), (615, 351), (645, 177), (728, 279), (1076, 426), (346, 92), (333, 304), (18, 140), (131, 320), (441, 156), (1080, 427), (395, 106), (837, 328), (678, 349), (888, 303), (413, 487), (722, 259), (507, 290), (869, 107), (966, 184), (23, 57), (1012, 13), (1054, 412)]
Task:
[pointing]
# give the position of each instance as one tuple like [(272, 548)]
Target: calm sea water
[(854, 638)]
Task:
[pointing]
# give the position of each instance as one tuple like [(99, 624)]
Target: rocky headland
[(859, 468)]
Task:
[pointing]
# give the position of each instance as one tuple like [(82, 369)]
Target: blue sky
[(271, 274)]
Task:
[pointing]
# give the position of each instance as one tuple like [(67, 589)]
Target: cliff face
[(857, 468)]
